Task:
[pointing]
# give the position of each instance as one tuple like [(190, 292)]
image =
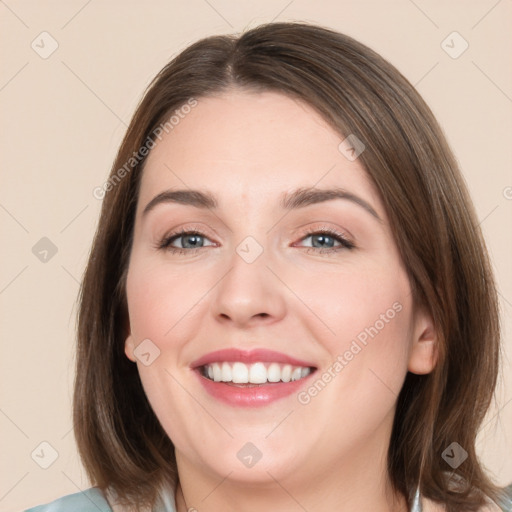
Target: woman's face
[(298, 290)]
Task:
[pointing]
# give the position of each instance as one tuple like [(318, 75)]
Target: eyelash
[(165, 243)]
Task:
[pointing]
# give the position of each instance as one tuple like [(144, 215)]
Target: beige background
[(63, 118)]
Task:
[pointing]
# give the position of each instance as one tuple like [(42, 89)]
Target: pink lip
[(249, 395), (231, 355)]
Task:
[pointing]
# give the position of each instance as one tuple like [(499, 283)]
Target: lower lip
[(255, 396)]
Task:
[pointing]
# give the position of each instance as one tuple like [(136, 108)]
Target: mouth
[(251, 378), (255, 374)]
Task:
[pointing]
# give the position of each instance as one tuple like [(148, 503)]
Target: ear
[(425, 344), (129, 348)]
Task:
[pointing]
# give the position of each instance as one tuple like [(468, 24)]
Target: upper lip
[(249, 356)]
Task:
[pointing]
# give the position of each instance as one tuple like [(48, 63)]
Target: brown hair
[(121, 442)]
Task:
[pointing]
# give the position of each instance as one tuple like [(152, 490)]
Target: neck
[(235, 498)]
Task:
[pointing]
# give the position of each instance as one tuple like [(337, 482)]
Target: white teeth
[(226, 373), (217, 373), (240, 373), (296, 373), (256, 373), (286, 373), (274, 373)]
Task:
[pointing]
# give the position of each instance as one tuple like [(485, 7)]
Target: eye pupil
[(196, 240), (322, 238)]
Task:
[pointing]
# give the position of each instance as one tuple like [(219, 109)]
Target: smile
[(254, 378), (255, 373)]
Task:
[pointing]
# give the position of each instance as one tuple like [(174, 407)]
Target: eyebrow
[(299, 198)]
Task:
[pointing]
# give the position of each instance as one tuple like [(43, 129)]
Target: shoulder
[(90, 500), (432, 506)]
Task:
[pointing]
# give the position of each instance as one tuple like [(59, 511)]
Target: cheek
[(162, 301), (359, 386), (161, 309), (362, 302), (368, 315)]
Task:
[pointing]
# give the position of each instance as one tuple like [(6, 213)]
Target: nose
[(249, 294)]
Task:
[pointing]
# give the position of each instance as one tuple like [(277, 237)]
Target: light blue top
[(85, 501), (93, 500)]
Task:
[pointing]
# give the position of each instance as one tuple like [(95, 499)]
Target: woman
[(286, 294)]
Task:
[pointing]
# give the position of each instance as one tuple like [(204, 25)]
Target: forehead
[(252, 145)]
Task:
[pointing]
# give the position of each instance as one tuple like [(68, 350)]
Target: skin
[(247, 149)]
